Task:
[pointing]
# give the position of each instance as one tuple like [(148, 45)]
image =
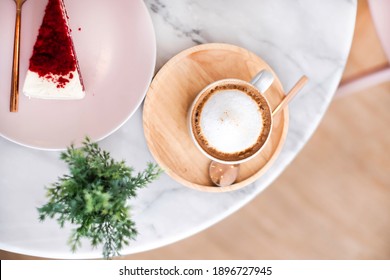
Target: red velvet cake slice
[(54, 71)]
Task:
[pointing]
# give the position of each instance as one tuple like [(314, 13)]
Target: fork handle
[(14, 102)]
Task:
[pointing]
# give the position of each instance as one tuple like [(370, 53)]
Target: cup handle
[(263, 80)]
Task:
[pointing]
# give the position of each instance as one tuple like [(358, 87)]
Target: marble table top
[(299, 37)]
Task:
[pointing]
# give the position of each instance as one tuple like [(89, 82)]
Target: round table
[(307, 37)]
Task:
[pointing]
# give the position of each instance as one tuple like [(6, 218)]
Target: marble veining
[(310, 37)]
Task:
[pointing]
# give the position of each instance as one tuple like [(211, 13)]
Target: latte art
[(231, 120)]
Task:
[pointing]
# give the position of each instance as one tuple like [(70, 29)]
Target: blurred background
[(333, 201)]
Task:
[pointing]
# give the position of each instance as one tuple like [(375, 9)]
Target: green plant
[(94, 197)]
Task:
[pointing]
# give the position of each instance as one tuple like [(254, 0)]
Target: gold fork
[(14, 103)]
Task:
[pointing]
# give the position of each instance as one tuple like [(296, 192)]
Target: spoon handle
[(14, 102), (290, 95)]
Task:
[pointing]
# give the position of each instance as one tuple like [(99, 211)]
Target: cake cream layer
[(66, 87)]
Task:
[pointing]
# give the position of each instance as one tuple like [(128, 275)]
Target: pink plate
[(116, 49)]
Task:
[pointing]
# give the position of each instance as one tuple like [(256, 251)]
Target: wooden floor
[(340, 209)]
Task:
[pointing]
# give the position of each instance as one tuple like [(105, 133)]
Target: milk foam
[(231, 121)]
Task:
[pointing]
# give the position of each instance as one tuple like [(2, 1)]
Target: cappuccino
[(231, 120)]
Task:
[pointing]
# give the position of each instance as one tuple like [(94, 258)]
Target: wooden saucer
[(169, 97)]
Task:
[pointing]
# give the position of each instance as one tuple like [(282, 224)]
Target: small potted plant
[(94, 197)]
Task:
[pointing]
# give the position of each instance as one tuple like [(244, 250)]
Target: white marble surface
[(295, 37)]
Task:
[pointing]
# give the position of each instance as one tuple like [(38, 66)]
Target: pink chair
[(380, 11)]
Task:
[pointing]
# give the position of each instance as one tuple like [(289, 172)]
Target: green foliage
[(94, 197)]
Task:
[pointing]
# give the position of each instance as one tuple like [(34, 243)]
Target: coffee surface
[(231, 121)]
